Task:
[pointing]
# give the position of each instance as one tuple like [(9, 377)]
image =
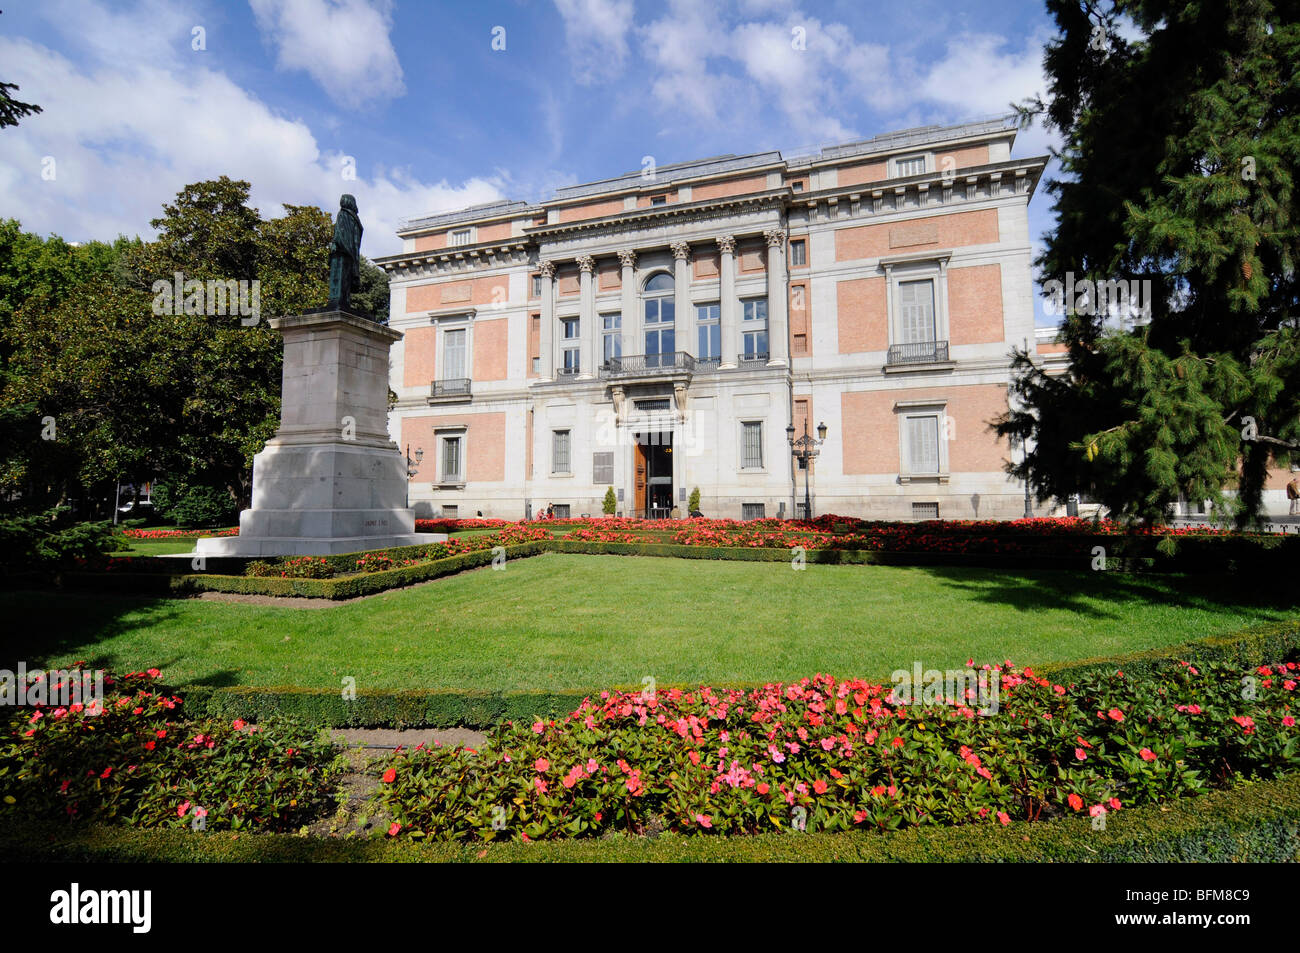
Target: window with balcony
[(753, 330), (708, 323), (916, 324), (658, 319), (571, 347), (612, 339)]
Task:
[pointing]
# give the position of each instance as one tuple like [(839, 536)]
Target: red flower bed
[(178, 533)]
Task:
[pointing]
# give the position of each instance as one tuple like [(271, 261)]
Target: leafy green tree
[(1180, 153), (372, 297), (610, 504)]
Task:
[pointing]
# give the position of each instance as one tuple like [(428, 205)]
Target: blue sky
[(284, 92)]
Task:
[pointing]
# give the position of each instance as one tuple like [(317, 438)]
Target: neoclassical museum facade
[(662, 331)]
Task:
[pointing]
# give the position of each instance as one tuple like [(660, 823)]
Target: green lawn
[(587, 622), (157, 547)]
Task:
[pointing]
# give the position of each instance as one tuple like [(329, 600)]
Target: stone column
[(683, 320), (546, 370), (728, 317), (589, 333), (778, 332), (631, 323)]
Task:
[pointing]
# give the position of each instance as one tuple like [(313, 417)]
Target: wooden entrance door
[(641, 466)]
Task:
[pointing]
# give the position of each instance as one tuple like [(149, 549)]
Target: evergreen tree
[(1179, 160)]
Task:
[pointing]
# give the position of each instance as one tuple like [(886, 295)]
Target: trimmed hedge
[(1249, 823), (343, 587), (1271, 642)]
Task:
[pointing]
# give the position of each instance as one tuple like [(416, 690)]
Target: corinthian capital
[(586, 264), (681, 251), (627, 257), (727, 244), (547, 268), (775, 237)]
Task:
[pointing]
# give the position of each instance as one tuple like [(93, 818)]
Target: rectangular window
[(658, 200), (453, 355), (603, 468), (450, 511), (912, 165), (537, 286), (752, 511), (798, 252), (708, 321), (751, 445), (923, 444), (916, 312), (450, 472), (560, 510), (560, 451), (612, 325), (925, 511), (461, 236), (753, 328), (796, 186), (571, 353), (653, 403)]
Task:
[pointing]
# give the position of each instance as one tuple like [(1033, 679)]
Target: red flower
[(390, 775), (1076, 802), (1146, 754)]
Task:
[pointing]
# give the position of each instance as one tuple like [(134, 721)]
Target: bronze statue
[(345, 255)]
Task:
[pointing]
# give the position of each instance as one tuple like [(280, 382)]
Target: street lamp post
[(805, 449), (412, 468)]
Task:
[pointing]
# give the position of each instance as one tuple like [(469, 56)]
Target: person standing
[(1293, 495)]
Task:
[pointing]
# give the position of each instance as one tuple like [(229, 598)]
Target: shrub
[(134, 760), (825, 756), (305, 567), (191, 506), (38, 542), (610, 504), (693, 504)]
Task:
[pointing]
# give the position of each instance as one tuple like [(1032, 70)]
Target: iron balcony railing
[(454, 387), (630, 364), (567, 371), (922, 352), (755, 357)]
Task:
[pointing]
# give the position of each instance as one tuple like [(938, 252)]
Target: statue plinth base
[(330, 480)]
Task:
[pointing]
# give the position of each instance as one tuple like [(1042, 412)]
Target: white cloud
[(343, 45), (127, 135), (596, 34)]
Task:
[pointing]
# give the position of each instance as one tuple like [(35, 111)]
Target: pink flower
[(1096, 810), (540, 785), (1288, 722), (1080, 754), (393, 828), (538, 727), (1114, 804), (237, 724), (541, 764), (828, 744), (180, 811), (1004, 818), (1116, 714), (1146, 754)]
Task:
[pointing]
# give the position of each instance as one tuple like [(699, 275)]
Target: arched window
[(658, 311)]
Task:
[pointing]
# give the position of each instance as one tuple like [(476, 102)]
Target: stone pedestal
[(330, 480)]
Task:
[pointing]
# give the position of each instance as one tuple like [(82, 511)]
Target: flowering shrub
[(139, 762), (835, 755), (296, 567)]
